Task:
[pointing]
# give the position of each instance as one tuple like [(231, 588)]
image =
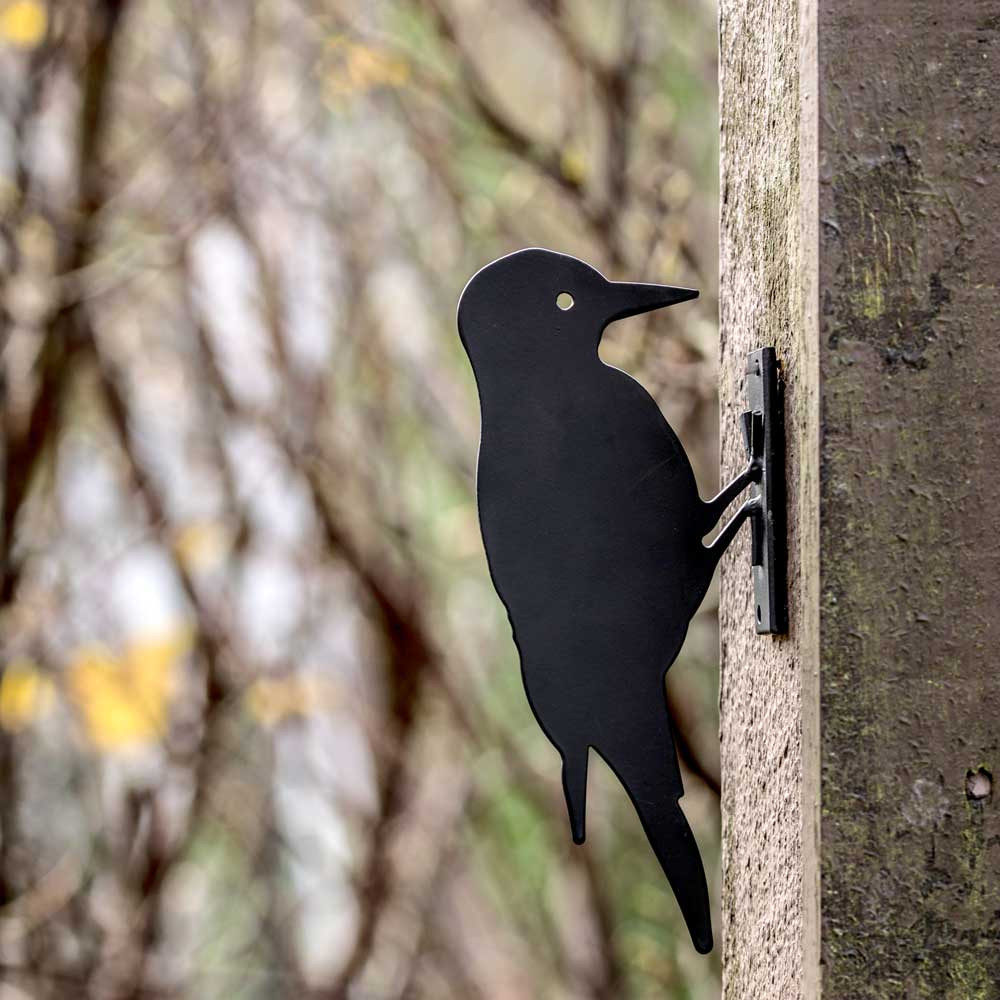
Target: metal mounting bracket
[(764, 436)]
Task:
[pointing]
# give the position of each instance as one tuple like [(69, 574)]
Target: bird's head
[(537, 308)]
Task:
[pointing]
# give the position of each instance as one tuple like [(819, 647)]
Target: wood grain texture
[(909, 264), (767, 265), (860, 236)]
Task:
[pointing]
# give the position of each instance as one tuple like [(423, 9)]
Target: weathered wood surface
[(878, 281), (767, 261)]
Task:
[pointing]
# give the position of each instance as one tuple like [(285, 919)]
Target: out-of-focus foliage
[(262, 731), (22, 23)]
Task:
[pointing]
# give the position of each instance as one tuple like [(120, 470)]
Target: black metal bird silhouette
[(594, 530)]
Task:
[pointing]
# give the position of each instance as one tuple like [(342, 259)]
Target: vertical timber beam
[(769, 702), (861, 237)]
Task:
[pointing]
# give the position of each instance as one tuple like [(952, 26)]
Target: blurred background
[(262, 728)]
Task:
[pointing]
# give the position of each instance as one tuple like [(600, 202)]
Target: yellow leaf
[(369, 67), (355, 68), (124, 699), (25, 694), (573, 165), (273, 700), (23, 23), (200, 545)]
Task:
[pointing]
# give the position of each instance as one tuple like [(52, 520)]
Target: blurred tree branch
[(221, 118)]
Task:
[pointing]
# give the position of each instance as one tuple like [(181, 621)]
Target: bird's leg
[(725, 537), (713, 509), (575, 787)]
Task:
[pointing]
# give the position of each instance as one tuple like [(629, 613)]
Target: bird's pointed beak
[(632, 298)]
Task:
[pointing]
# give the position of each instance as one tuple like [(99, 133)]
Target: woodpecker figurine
[(594, 530)]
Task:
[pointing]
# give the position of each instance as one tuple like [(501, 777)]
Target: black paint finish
[(763, 432), (594, 532)]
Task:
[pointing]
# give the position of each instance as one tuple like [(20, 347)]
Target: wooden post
[(861, 237)]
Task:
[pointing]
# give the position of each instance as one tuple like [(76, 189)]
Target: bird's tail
[(674, 845), (575, 787), (650, 775)]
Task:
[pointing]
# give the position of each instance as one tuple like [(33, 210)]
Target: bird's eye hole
[(564, 300)]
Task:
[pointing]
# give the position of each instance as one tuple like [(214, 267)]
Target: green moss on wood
[(910, 695)]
